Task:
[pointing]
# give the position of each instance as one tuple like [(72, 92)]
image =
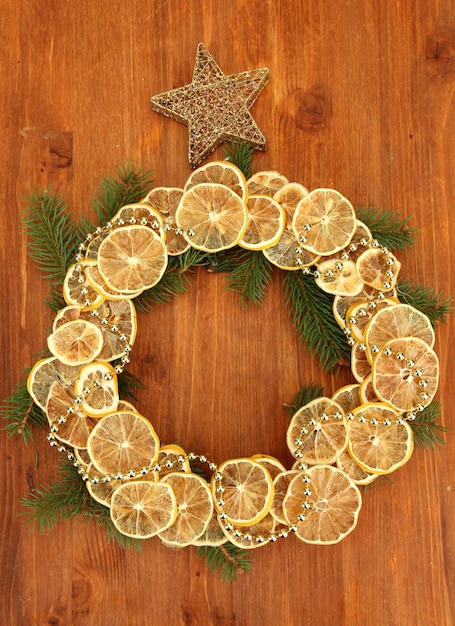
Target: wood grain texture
[(362, 98)]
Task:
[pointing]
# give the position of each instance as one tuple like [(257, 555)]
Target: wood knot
[(313, 110), (440, 53)]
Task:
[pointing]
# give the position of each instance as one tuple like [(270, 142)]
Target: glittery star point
[(215, 106)]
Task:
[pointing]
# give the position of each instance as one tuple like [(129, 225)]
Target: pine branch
[(311, 313), (227, 558), (388, 227), (427, 433), (52, 234), (21, 413), (131, 185), (241, 155), (65, 499), (128, 384), (251, 276), (171, 284), (425, 299), (303, 396)]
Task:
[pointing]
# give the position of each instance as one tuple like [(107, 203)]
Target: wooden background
[(361, 98)]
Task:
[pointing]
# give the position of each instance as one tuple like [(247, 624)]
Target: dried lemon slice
[(266, 222), (222, 173), (338, 277), (76, 342), (166, 200), (98, 387), (266, 183)]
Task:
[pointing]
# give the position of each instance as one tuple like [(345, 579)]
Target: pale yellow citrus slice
[(333, 502), (213, 534), (359, 315), (82, 455), (281, 483), (266, 183), (266, 222), (122, 442), (194, 508), (378, 269), (143, 509), (250, 537), (212, 217), (132, 258), (406, 373), (360, 364), (102, 490), (367, 392), (271, 463), (99, 284), (115, 319), (324, 221), (222, 173), (317, 432), (379, 441), (44, 373), (244, 491), (140, 213), (351, 468), (347, 397), (289, 196), (76, 343), (401, 320), (341, 304), (77, 289), (166, 200), (97, 385), (288, 255), (171, 458), (77, 426), (338, 277)]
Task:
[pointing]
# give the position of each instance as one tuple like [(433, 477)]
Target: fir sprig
[(427, 433), (228, 559), (67, 498), (21, 413), (52, 234), (131, 185), (426, 299), (241, 155), (303, 396), (312, 316), (388, 227), (251, 276)]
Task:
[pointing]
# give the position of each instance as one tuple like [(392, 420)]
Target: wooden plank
[(360, 98)]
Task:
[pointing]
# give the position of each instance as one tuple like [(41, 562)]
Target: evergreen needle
[(241, 155), (312, 316), (426, 299), (388, 227), (251, 276), (227, 558), (427, 432), (303, 396), (21, 413)]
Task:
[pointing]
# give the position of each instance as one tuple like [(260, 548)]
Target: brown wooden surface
[(361, 98)]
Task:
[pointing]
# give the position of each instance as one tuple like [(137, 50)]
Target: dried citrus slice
[(98, 387), (317, 431), (271, 463), (212, 217), (101, 490), (266, 222), (281, 483), (99, 284), (194, 508), (122, 442), (143, 509), (132, 258), (77, 289), (166, 200), (288, 196), (359, 315), (406, 373), (140, 213), (324, 503), (171, 458), (250, 537), (76, 343), (74, 426), (44, 373), (378, 268), (341, 304), (379, 441), (347, 397), (401, 320), (351, 468), (222, 173), (360, 364), (324, 221), (266, 183), (115, 318), (338, 277), (243, 491), (367, 392), (288, 255), (213, 535)]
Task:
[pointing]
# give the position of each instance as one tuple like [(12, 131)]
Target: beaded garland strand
[(338, 270)]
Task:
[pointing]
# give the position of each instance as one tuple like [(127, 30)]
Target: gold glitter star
[(214, 106)]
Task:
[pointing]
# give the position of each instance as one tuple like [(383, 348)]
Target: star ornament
[(215, 106)]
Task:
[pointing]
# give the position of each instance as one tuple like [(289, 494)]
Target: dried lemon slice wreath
[(337, 443)]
